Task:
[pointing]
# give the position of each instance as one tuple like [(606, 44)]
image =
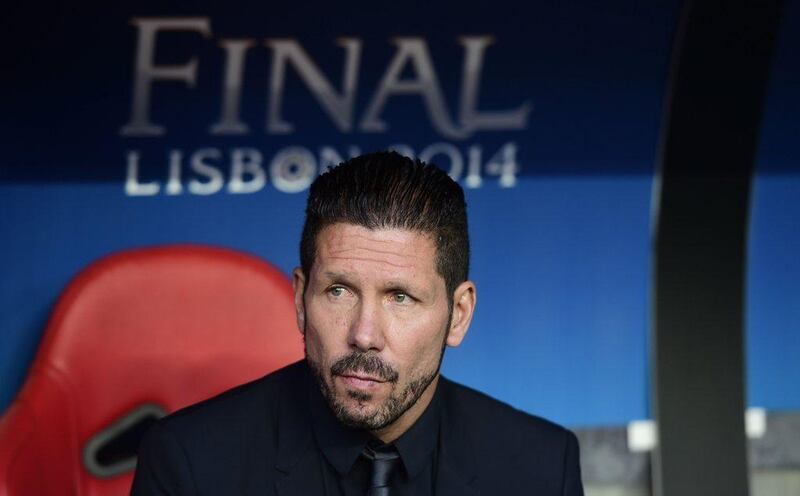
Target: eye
[(402, 298), (336, 291)]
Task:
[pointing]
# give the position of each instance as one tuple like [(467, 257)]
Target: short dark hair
[(387, 190)]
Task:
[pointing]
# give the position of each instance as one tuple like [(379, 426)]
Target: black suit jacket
[(256, 440)]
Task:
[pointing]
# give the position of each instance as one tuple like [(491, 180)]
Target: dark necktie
[(384, 460)]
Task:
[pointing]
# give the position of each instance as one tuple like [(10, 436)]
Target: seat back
[(136, 335)]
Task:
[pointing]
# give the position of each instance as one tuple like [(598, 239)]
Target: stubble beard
[(392, 407)]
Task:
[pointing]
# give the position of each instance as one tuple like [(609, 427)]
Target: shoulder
[(475, 410), (220, 442), (526, 451), (238, 419), (237, 407)]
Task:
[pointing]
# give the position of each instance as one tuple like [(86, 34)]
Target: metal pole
[(713, 112)]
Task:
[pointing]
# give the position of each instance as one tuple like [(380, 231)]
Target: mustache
[(366, 363)]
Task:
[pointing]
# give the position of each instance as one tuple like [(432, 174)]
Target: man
[(381, 291)]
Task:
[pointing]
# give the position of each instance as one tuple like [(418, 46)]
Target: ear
[(464, 300), (299, 285)]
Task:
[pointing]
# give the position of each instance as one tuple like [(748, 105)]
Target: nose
[(367, 327)]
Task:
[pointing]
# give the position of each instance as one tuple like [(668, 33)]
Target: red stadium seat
[(136, 335)]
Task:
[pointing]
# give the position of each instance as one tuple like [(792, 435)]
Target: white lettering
[(426, 84), (471, 119), (473, 179), (246, 161), (146, 71), (293, 169), (504, 164), (229, 122), (339, 107), (174, 186), (132, 185), (200, 166)]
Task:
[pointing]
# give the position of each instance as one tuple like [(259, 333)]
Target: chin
[(360, 410), (358, 403)]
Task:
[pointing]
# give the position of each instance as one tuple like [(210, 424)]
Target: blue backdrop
[(773, 291), (168, 123)]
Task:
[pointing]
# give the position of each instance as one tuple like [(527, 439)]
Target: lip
[(359, 381)]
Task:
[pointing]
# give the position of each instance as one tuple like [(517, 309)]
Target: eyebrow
[(329, 277), (336, 275), (397, 285)]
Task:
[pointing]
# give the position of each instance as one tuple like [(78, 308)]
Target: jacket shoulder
[(509, 450), (220, 442), (482, 412), (252, 401)]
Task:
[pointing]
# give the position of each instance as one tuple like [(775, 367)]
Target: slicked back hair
[(386, 190)]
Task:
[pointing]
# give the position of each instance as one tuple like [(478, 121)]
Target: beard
[(393, 407)]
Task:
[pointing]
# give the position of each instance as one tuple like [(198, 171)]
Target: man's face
[(375, 315)]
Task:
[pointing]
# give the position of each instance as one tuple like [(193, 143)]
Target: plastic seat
[(136, 335)]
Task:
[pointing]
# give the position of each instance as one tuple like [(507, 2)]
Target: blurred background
[(153, 123)]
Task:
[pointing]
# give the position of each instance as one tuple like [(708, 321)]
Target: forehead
[(391, 250)]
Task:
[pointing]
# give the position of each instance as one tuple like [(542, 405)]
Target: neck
[(397, 428)]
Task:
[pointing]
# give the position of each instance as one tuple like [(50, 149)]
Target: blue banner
[(159, 123)]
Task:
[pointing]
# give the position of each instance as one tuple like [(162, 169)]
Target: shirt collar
[(342, 445)]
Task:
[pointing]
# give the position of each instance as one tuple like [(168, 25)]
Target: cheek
[(313, 343), (419, 346), (326, 332)]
